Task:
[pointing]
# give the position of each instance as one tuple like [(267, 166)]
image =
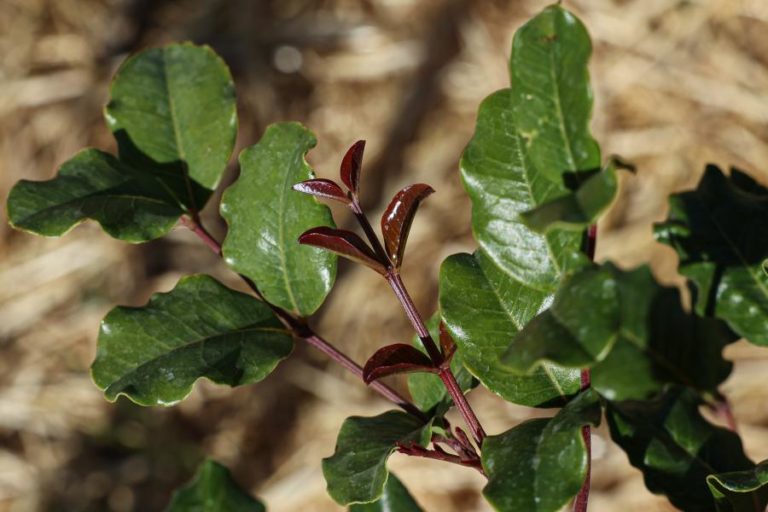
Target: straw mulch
[(677, 84)]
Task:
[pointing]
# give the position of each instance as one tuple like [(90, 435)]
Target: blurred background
[(677, 84)]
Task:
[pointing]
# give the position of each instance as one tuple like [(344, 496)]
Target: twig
[(415, 450)]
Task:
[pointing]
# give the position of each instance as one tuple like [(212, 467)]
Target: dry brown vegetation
[(677, 84)]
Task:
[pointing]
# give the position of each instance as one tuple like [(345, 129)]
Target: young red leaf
[(397, 219), (345, 243), (350, 166), (446, 343), (321, 187), (397, 358)]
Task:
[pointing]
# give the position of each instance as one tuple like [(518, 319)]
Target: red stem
[(418, 451), (301, 330)]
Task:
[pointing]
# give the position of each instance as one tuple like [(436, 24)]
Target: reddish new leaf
[(321, 187), (397, 219), (446, 343), (345, 243), (350, 166), (397, 358)]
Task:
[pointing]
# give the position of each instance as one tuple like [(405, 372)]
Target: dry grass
[(677, 84)]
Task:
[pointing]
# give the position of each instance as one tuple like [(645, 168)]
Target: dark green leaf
[(357, 471), (484, 310), (539, 465), (427, 390), (720, 231), (741, 491), (396, 498), (675, 447), (130, 204), (174, 107), (266, 217), (213, 490), (201, 328), (632, 332)]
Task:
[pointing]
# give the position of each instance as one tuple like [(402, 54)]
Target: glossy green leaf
[(741, 491), (720, 232), (174, 107), (154, 354), (675, 447), (632, 332), (357, 471), (130, 204), (427, 390), (266, 217), (539, 465), (484, 310), (396, 498), (579, 208), (213, 490)]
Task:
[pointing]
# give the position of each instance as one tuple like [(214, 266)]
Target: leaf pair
[(172, 112)]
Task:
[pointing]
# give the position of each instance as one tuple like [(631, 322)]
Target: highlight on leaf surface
[(394, 359), (398, 217), (213, 490), (741, 490), (395, 498), (266, 216), (154, 354), (720, 232), (351, 165), (323, 188), (343, 242)]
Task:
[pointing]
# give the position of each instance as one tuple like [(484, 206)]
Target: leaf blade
[(397, 219), (395, 498), (213, 490)]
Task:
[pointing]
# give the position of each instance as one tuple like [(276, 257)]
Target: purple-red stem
[(439, 454), (301, 330)]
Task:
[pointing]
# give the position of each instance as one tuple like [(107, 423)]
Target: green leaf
[(396, 498), (154, 354), (213, 490), (632, 332), (427, 390), (741, 491), (720, 232), (539, 465), (675, 447), (266, 217), (357, 471), (130, 204), (174, 107), (484, 310), (579, 208)]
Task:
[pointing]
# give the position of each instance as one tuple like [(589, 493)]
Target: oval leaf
[(539, 465), (398, 217), (130, 204), (720, 232), (345, 243), (394, 359), (174, 108), (265, 218), (357, 471), (396, 498), (213, 490), (320, 187), (739, 491), (351, 165), (154, 354)]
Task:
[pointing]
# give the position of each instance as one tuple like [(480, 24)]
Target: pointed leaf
[(320, 187), (213, 490), (675, 447), (632, 332), (357, 471), (483, 310), (350, 166), (154, 354), (741, 491), (174, 108), (265, 218), (396, 498), (130, 204), (345, 243), (398, 217), (427, 390), (394, 359), (720, 232), (579, 208), (539, 465)]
